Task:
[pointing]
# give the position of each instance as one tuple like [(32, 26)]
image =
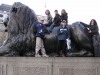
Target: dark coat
[(64, 17), (57, 19), (40, 30), (94, 28)]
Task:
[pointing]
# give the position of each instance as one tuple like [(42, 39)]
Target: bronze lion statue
[(20, 40)]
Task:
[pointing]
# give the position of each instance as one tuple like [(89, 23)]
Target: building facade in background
[(4, 9)]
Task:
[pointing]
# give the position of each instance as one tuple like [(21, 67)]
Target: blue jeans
[(51, 27)]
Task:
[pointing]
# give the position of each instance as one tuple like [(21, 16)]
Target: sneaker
[(69, 50), (44, 55), (38, 55), (63, 55), (57, 55)]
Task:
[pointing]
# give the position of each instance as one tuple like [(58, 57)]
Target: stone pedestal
[(49, 66)]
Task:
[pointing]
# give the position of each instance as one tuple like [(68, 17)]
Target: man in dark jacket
[(40, 35), (56, 21)]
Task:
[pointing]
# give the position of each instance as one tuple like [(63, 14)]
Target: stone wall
[(49, 66)]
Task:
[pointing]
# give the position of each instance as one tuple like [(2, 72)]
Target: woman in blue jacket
[(63, 34)]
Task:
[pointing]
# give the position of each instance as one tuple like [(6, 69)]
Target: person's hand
[(90, 31), (44, 36), (61, 31)]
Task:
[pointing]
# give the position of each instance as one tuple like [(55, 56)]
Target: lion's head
[(21, 22)]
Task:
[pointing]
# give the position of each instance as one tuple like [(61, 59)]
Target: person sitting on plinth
[(49, 18), (56, 21)]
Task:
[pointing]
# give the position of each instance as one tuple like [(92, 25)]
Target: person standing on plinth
[(63, 34), (40, 36), (93, 31)]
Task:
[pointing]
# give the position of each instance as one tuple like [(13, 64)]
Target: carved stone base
[(49, 66)]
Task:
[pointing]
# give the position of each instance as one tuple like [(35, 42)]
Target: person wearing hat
[(63, 34), (56, 21), (40, 36)]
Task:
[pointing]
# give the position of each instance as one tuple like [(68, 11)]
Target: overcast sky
[(78, 10)]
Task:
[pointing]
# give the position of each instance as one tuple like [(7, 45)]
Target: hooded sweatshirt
[(65, 35)]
